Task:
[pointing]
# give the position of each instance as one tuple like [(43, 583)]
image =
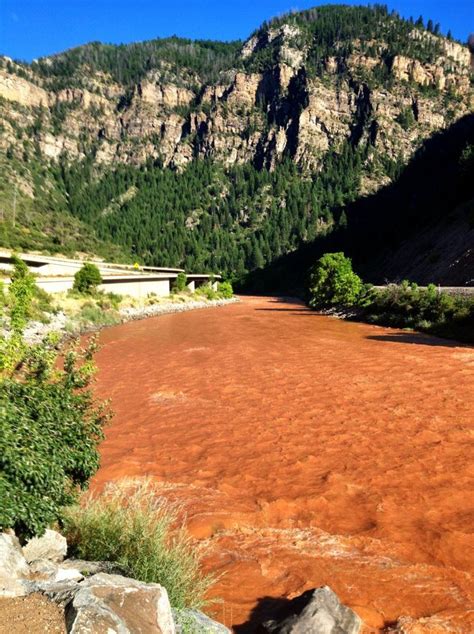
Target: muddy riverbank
[(307, 451)]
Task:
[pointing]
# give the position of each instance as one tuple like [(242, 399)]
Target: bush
[(406, 305), (92, 314), (225, 290), (50, 427), (87, 279), (20, 293), (180, 283), (332, 281), (131, 525), (106, 301), (206, 291)]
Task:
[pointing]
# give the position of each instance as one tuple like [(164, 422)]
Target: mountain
[(223, 156)]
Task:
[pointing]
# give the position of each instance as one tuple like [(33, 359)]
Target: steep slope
[(223, 155), (420, 226)]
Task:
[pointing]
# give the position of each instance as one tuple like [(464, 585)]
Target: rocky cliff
[(295, 105), (300, 87)]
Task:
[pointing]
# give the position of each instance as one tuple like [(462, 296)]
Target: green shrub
[(206, 291), (87, 279), (225, 290), (91, 314), (107, 301), (50, 427), (131, 525), (406, 118), (406, 305), (20, 292), (332, 281), (180, 283)]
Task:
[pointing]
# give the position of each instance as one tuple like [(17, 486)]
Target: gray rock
[(196, 622), (115, 604), (88, 568), (43, 569), (13, 567), (52, 545), (61, 592), (314, 612)]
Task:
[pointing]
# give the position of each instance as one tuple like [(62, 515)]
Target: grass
[(130, 524), (92, 314)]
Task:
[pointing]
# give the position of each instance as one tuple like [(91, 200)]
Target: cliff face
[(244, 116), (266, 141)]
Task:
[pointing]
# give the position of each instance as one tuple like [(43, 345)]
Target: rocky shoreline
[(96, 597), (36, 330)]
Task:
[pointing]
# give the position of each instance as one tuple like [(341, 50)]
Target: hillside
[(224, 156)]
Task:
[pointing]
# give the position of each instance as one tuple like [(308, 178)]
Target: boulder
[(61, 592), (52, 546), (13, 567), (111, 603), (88, 568), (196, 622), (314, 612), (43, 569)]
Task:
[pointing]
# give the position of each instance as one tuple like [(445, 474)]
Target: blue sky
[(33, 28)]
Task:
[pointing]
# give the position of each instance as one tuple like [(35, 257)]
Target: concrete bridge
[(56, 275)]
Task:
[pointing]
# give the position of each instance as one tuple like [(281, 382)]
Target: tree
[(87, 279), (21, 292), (180, 282), (225, 290), (332, 281)]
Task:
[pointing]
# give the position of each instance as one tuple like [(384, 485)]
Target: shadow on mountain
[(427, 196)]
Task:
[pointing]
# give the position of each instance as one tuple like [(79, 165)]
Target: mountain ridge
[(347, 95)]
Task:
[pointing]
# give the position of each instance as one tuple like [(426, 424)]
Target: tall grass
[(129, 523)]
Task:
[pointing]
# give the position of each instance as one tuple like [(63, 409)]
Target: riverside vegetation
[(85, 308), (50, 428), (333, 284)]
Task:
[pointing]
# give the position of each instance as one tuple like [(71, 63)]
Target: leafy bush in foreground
[(50, 425), (49, 431), (332, 281), (131, 525)]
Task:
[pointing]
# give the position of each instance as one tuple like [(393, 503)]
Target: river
[(306, 451)]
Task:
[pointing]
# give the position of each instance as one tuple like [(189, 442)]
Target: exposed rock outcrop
[(13, 567), (244, 115), (317, 611), (111, 603), (51, 546), (196, 621), (95, 596)]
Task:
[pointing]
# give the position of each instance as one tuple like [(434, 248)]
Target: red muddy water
[(307, 451)]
